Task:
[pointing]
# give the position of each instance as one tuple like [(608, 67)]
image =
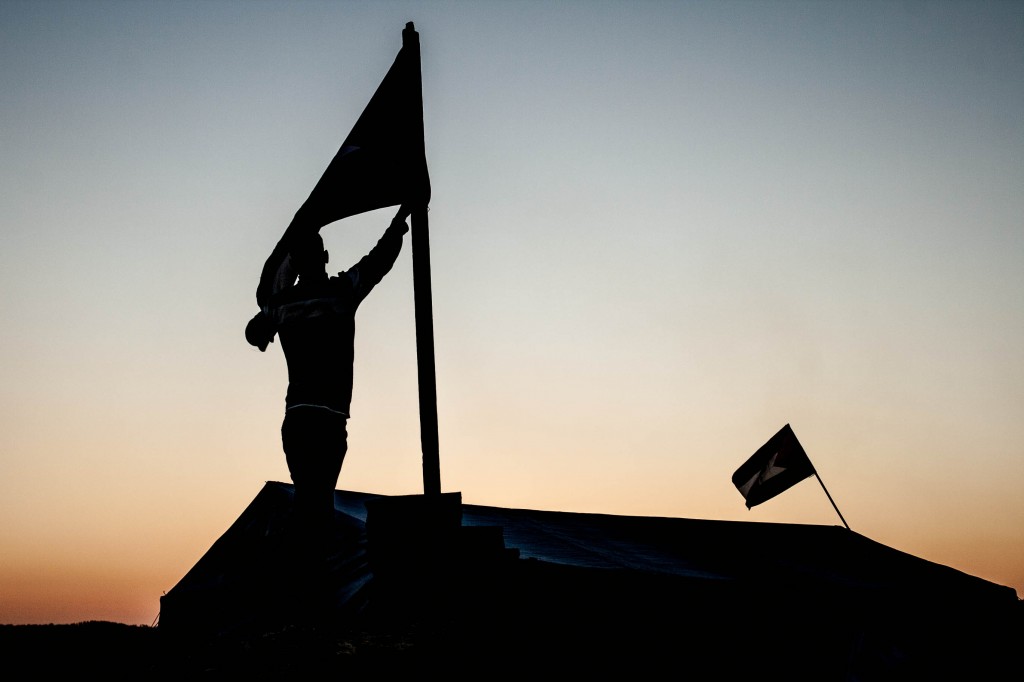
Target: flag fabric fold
[(777, 466), (381, 163)]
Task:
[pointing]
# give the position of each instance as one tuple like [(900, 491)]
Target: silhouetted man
[(315, 319)]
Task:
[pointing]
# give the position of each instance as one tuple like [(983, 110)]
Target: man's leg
[(315, 441)]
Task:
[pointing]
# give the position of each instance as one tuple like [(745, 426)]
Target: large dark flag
[(381, 163), (777, 466)]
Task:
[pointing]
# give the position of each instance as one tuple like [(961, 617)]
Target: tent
[(526, 587)]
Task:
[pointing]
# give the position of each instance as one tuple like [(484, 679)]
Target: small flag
[(777, 466)]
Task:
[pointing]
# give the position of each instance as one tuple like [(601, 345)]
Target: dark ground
[(114, 651), (118, 651), (577, 637)]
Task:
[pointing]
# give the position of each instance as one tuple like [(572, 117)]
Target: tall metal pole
[(425, 352), (424, 310)]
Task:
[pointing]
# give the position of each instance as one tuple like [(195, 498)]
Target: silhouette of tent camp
[(552, 582)]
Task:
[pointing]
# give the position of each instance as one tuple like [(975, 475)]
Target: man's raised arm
[(372, 267)]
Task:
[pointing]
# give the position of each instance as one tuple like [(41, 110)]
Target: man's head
[(307, 254)]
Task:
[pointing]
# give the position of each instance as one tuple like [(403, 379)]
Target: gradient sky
[(659, 232)]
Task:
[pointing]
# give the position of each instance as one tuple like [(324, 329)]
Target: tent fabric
[(585, 587), (237, 584), (713, 549)]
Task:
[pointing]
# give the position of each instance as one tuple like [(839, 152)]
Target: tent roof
[(714, 550)]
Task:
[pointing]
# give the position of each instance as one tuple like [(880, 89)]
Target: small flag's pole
[(424, 312), (830, 500)]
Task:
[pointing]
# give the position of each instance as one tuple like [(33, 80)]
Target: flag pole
[(425, 352), (424, 310), (831, 500)]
